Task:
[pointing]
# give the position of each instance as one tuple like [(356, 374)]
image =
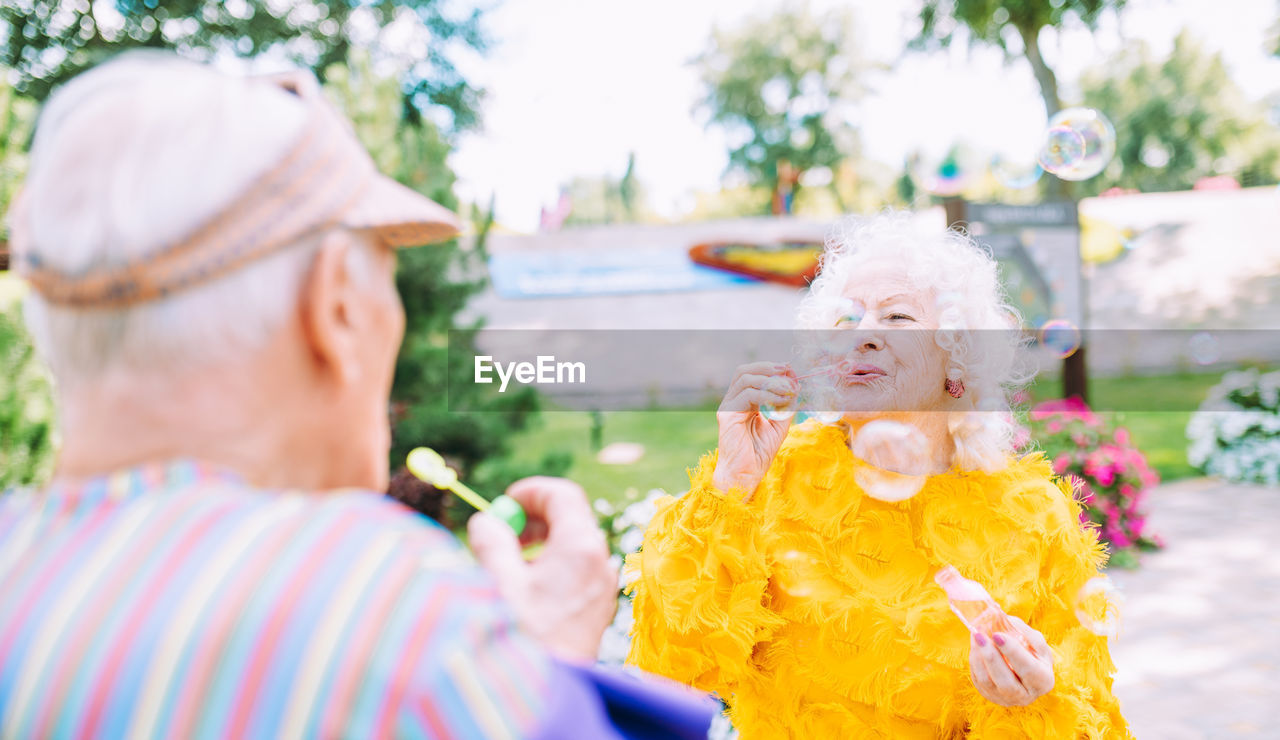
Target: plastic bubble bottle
[(975, 607)]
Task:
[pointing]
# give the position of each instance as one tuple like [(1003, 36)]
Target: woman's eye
[(900, 317)]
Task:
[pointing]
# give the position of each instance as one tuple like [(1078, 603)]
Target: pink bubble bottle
[(975, 607)]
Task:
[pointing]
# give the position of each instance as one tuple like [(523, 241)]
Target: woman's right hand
[(748, 440)]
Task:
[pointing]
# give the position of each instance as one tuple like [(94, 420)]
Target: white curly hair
[(979, 328)]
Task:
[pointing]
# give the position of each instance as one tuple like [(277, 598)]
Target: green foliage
[(781, 88), (608, 200), (992, 21), (999, 22), (17, 117), (1179, 119), (26, 408), (50, 41), (434, 369)]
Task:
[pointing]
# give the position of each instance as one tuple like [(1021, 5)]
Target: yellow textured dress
[(813, 613)]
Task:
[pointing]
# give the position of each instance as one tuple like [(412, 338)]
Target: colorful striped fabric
[(175, 601)]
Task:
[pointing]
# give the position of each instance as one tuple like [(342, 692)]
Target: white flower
[(616, 641), (631, 540), (1234, 442)]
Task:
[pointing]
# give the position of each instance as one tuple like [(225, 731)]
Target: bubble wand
[(427, 465)]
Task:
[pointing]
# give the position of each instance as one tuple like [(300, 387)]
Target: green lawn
[(674, 440)]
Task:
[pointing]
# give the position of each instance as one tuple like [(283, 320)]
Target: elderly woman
[(807, 602)]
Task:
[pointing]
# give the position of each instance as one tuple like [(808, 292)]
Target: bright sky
[(574, 85)]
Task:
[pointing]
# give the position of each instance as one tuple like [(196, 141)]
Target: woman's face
[(895, 364)]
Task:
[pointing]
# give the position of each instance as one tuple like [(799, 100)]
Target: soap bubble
[(1098, 606), (821, 399), (850, 311), (1016, 174), (1204, 348), (896, 457), (1061, 337), (1098, 136), (1063, 148), (776, 414), (799, 575)]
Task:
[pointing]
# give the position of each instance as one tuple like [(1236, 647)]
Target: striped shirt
[(176, 601)]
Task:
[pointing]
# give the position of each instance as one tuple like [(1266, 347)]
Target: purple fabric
[(594, 703)]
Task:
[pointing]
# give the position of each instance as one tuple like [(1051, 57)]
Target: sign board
[(1038, 248)]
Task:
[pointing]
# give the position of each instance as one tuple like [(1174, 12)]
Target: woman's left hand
[(1027, 677)]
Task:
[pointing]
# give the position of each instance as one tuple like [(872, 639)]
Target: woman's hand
[(1024, 679), (748, 441)]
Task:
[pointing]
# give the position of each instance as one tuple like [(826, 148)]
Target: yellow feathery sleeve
[(1081, 703), (698, 598)]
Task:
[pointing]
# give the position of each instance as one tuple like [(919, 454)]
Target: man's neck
[(125, 422)]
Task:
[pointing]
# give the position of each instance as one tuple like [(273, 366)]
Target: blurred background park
[(593, 147)]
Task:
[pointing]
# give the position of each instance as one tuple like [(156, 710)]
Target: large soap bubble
[(1096, 134), (896, 457)]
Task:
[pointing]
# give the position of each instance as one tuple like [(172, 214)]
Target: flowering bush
[(1235, 434), (1111, 474), (625, 530)]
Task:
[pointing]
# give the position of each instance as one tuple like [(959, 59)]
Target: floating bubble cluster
[(1061, 337), (896, 457), (1015, 174), (1098, 607), (1204, 348), (1085, 127)]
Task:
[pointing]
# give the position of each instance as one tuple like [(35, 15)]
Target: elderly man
[(212, 266)]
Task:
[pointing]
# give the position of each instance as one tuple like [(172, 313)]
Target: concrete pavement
[(1199, 652)]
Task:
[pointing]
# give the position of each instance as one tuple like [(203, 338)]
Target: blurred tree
[(1179, 119), (608, 199), (1273, 39), (782, 87), (17, 116), (627, 188), (26, 406), (49, 41), (435, 369), (1012, 25)]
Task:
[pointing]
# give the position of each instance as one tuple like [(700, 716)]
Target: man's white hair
[(132, 156), (980, 329)]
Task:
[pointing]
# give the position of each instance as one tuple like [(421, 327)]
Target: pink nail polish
[(979, 640), (999, 638)]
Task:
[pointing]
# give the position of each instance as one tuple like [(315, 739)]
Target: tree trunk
[(1056, 189), (1044, 76)]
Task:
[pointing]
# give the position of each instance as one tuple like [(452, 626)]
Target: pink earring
[(955, 388)]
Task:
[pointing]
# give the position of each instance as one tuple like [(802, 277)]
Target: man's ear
[(327, 306)]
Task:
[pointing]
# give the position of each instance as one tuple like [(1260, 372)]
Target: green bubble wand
[(429, 467)]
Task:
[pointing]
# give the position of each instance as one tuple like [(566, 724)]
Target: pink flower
[(1118, 538), (1122, 437), (1067, 408), (1106, 476), (1061, 463), (1055, 426)]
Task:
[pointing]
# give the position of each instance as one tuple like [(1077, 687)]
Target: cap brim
[(400, 216)]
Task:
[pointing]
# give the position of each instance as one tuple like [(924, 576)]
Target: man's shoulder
[(359, 513)]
